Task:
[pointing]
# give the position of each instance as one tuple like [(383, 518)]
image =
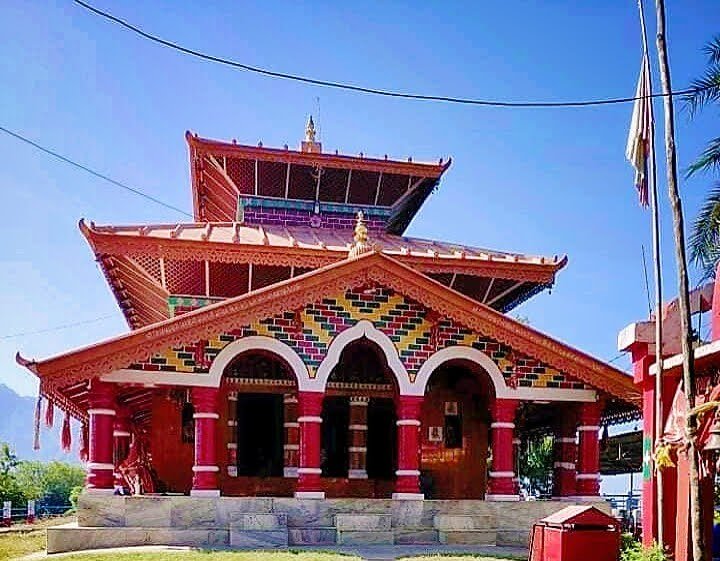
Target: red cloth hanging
[(49, 413), (66, 435), (84, 443)]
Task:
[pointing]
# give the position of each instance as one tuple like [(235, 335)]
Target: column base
[(99, 491), (309, 494), (502, 498), (205, 493), (408, 497)]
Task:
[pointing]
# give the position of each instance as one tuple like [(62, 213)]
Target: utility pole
[(698, 547)]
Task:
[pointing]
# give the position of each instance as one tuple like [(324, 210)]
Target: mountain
[(17, 414)]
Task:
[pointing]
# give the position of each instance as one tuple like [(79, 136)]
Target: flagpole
[(697, 535), (657, 269)]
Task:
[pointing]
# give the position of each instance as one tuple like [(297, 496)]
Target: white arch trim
[(502, 390), (222, 360), (362, 328)]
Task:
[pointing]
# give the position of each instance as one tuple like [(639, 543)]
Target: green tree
[(9, 488), (30, 477), (536, 465), (705, 236), (60, 480)]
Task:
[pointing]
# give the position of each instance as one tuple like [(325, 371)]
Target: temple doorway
[(381, 439), (455, 420), (336, 420), (254, 386), (260, 435), (358, 428)]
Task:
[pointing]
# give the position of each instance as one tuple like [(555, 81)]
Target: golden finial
[(310, 130), (360, 236)]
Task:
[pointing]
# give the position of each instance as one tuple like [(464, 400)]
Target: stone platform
[(257, 522)]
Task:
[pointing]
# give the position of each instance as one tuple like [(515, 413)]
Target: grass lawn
[(212, 555), (27, 540)]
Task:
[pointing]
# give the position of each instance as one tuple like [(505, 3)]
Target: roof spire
[(360, 236), (310, 130), (309, 144)]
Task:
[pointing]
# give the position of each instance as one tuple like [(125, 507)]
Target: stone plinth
[(109, 521)]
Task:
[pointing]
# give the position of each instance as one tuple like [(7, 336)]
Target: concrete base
[(116, 521)]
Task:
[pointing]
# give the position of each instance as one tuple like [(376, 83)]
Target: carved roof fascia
[(109, 355), (201, 146), (109, 243)]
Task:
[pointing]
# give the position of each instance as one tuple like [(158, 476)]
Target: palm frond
[(712, 50), (705, 89), (704, 243), (709, 159)]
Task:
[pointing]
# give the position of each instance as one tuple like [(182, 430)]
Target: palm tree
[(705, 236)]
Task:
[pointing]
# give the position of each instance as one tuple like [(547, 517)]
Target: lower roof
[(116, 353), (144, 264)]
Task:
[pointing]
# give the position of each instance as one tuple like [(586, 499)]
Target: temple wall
[(172, 458), (411, 327)]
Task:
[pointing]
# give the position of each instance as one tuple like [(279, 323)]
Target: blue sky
[(537, 181)]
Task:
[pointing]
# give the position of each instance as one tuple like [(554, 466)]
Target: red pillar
[(588, 464), (501, 486), (292, 436), (121, 438), (407, 483), (309, 485), (357, 453), (564, 466), (101, 410), (205, 470)]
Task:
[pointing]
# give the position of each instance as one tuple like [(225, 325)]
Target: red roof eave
[(112, 354)]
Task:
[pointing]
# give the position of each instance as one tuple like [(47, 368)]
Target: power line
[(368, 90), (91, 171), (56, 328)]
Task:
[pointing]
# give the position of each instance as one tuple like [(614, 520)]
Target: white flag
[(641, 126)]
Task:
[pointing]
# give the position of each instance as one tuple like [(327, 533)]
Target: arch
[(260, 343), (461, 352), (362, 328)]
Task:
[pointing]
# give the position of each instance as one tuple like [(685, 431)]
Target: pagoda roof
[(130, 257), (222, 171), (70, 369)]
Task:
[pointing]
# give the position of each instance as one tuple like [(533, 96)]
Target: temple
[(290, 341)]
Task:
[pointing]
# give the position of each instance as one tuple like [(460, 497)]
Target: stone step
[(363, 522), (468, 537), (259, 521), (70, 537), (416, 536), (312, 536), (258, 538), (456, 522), (365, 537)]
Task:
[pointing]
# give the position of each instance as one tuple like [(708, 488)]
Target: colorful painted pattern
[(412, 328)]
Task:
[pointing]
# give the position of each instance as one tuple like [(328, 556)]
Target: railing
[(20, 515)]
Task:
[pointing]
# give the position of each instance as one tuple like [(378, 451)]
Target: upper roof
[(222, 171), (115, 353), (144, 264)]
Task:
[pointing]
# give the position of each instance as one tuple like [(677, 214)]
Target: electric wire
[(369, 90), (55, 328), (91, 171)]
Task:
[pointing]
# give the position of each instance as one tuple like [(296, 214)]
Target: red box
[(576, 533)]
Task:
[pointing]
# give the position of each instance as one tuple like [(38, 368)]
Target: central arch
[(462, 352), (361, 329), (260, 343)]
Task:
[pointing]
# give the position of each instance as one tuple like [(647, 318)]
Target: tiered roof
[(146, 264)]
